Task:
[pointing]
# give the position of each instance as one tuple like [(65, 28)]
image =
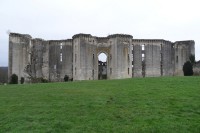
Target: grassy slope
[(130, 105)]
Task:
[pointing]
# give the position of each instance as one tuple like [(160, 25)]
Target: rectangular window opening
[(93, 60), (143, 46), (61, 46), (160, 47), (143, 57), (61, 59), (161, 57), (128, 71), (128, 58)]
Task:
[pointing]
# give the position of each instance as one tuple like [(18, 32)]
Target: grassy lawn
[(170, 104)]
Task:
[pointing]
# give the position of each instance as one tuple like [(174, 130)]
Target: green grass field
[(170, 104)]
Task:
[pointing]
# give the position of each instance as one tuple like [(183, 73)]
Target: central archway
[(102, 66)]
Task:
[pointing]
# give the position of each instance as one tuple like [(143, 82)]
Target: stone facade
[(196, 68), (3, 75), (78, 57)]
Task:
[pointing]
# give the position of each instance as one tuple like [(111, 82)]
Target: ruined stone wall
[(60, 60), (196, 68), (152, 58), (19, 48), (67, 59), (45, 60), (3, 75), (54, 57), (146, 55), (167, 52), (39, 57), (183, 50), (78, 57)]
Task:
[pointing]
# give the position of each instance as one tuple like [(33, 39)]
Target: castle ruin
[(78, 57)]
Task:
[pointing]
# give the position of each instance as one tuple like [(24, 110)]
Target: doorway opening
[(102, 66)]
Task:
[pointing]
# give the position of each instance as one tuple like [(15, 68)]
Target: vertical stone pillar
[(137, 58)]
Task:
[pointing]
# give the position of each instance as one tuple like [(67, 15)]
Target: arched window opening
[(102, 57), (102, 67)]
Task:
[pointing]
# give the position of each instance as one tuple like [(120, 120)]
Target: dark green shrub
[(66, 78), (14, 79), (44, 80), (22, 80), (188, 69), (39, 80)]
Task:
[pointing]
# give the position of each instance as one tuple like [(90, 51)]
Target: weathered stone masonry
[(78, 57)]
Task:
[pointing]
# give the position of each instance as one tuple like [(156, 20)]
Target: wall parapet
[(120, 35), (81, 35), (60, 41), (20, 35), (102, 39), (151, 40), (185, 41), (38, 39)]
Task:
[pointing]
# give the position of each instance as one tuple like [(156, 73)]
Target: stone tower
[(182, 50), (19, 54)]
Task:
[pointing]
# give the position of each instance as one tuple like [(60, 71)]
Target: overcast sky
[(172, 20)]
